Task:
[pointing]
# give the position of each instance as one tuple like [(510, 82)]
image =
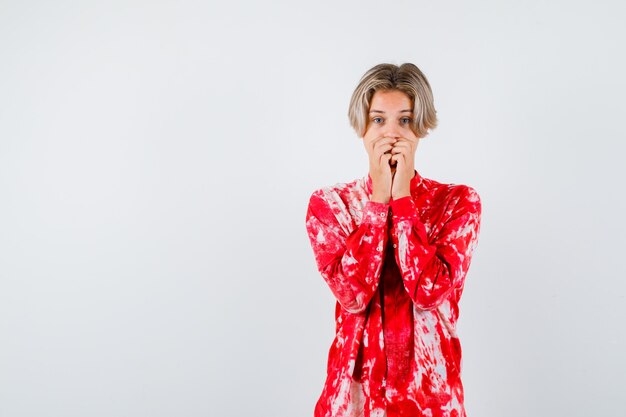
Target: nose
[(392, 131)]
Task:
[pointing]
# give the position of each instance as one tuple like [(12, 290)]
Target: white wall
[(156, 160)]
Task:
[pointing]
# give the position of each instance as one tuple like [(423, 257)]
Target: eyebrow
[(380, 111)]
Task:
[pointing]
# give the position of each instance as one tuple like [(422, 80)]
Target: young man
[(394, 248)]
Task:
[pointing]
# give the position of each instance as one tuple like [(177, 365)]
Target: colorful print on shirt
[(397, 271)]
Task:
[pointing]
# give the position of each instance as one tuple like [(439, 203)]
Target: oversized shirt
[(397, 271)]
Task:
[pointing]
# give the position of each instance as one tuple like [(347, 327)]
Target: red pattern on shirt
[(397, 271)]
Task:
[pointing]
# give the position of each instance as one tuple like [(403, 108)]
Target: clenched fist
[(379, 152), (402, 158)]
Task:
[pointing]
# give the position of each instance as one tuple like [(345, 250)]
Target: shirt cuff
[(403, 209), (375, 213)]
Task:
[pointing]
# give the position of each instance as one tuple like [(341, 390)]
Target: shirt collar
[(416, 181)]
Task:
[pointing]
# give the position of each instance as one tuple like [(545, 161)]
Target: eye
[(406, 120), (377, 118)]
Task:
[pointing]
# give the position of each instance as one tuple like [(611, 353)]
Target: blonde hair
[(406, 78)]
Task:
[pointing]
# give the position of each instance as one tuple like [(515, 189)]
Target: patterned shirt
[(397, 271)]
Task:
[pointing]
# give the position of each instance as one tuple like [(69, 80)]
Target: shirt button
[(382, 214), (395, 246)]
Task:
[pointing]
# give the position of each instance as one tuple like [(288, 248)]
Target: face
[(390, 115)]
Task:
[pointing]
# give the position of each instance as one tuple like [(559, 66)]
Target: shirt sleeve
[(432, 268), (350, 263)]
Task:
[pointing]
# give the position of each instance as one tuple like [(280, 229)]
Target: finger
[(398, 158), (384, 142), (403, 149), (384, 161), (373, 143), (383, 148), (409, 139), (369, 142), (383, 139), (383, 156), (403, 144)]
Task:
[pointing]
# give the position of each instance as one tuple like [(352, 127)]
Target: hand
[(403, 156), (379, 152)]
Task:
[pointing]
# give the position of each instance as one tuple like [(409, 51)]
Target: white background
[(156, 160)]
